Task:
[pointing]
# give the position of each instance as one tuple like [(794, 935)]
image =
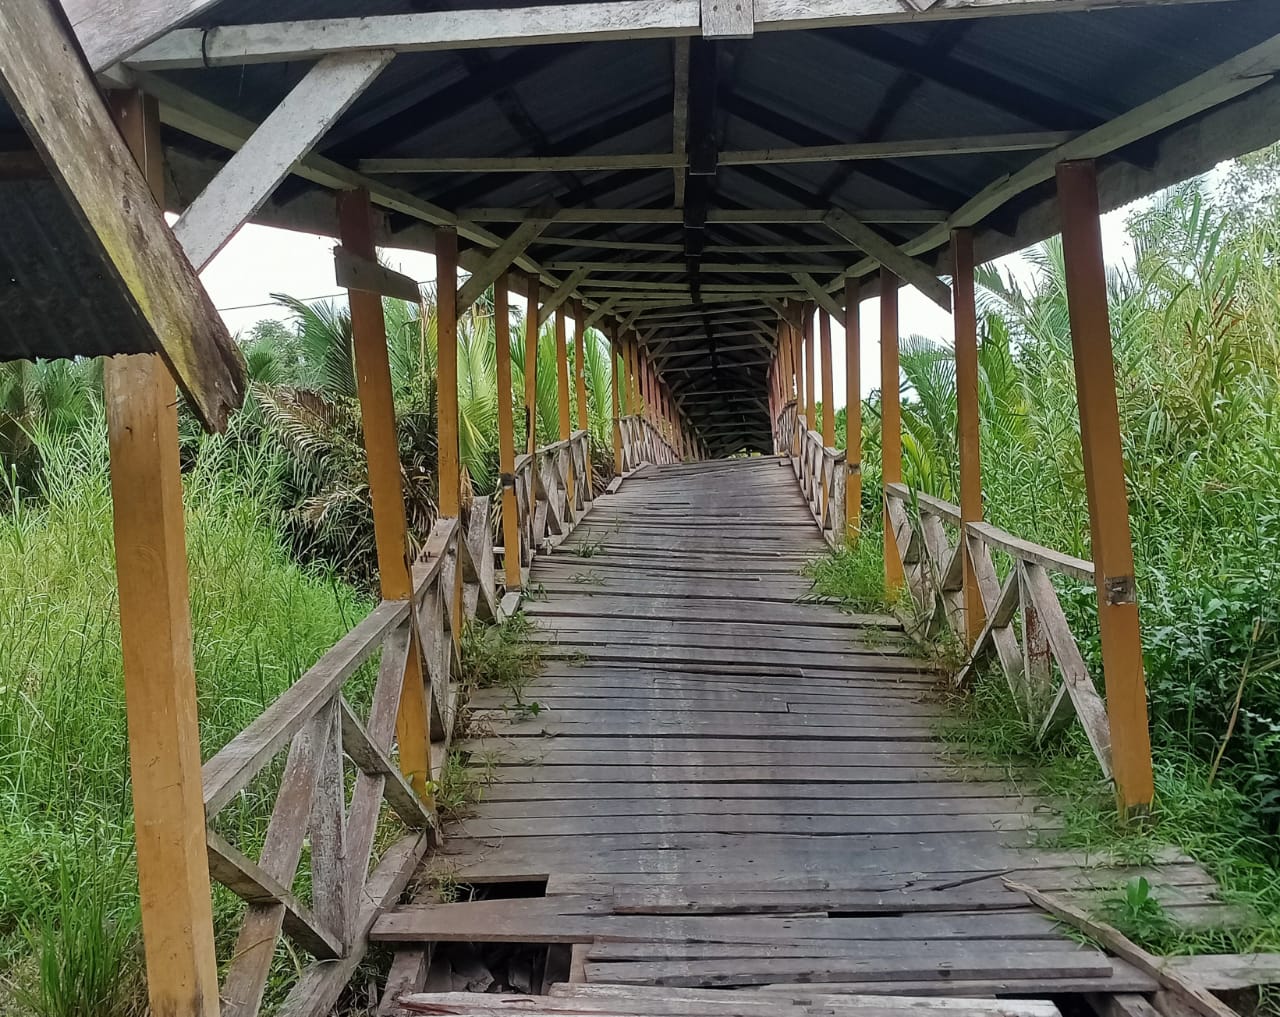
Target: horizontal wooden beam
[(230, 45), (730, 216), (857, 152), (354, 272), (672, 267)]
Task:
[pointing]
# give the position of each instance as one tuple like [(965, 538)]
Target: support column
[(580, 365), (562, 376), (966, 324), (506, 435), (890, 420), (382, 452), (810, 374), (615, 390), (1105, 484), (531, 366), (828, 385), (448, 450), (141, 402), (853, 410)]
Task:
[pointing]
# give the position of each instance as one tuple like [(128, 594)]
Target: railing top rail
[(927, 502), (993, 536), (1055, 561)]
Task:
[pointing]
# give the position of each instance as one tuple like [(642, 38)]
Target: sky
[(262, 260)]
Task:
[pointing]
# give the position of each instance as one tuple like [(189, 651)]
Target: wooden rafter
[(541, 25), (266, 157)]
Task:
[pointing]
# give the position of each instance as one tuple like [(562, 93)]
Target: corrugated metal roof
[(928, 79), (55, 298)]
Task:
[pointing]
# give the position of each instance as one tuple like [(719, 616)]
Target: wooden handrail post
[(448, 454), (506, 435), (615, 390), (382, 451), (828, 385), (580, 381), (531, 366), (890, 420), (810, 371), (853, 411), (1105, 485), (966, 342), (141, 401), (562, 403)]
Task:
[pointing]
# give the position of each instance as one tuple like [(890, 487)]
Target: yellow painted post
[(382, 451), (890, 420), (853, 410), (580, 379), (531, 366), (506, 435), (141, 404), (966, 324), (810, 372), (615, 390), (448, 450), (1105, 484), (562, 376), (828, 386)]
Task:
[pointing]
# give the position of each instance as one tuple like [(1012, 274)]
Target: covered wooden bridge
[(729, 788)]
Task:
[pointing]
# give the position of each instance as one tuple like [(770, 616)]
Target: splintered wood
[(724, 784)]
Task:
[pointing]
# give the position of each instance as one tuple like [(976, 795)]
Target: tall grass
[(259, 620)]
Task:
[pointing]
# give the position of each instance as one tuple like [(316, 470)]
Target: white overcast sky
[(261, 261)]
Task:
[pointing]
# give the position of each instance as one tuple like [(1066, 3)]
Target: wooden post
[(828, 385), (531, 366), (448, 454), (382, 451), (890, 420), (810, 373), (615, 389), (506, 435), (141, 403), (580, 373), (853, 410), (562, 376), (450, 496), (1105, 484), (966, 324), (580, 365)]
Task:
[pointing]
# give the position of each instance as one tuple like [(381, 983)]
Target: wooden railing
[(316, 721), (821, 472), (1023, 623), (553, 491), (323, 735), (643, 443)]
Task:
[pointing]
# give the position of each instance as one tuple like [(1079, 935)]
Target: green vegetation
[(1196, 321), (280, 544)]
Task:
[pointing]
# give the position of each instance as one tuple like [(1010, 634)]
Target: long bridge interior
[(729, 800)]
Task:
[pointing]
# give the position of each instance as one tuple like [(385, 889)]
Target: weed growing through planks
[(461, 784), (1212, 823), (589, 548), (853, 575), (536, 592), (501, 656), (587, 578), (1137, 914)]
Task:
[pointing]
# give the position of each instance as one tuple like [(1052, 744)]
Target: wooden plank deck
[(729, 785)]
